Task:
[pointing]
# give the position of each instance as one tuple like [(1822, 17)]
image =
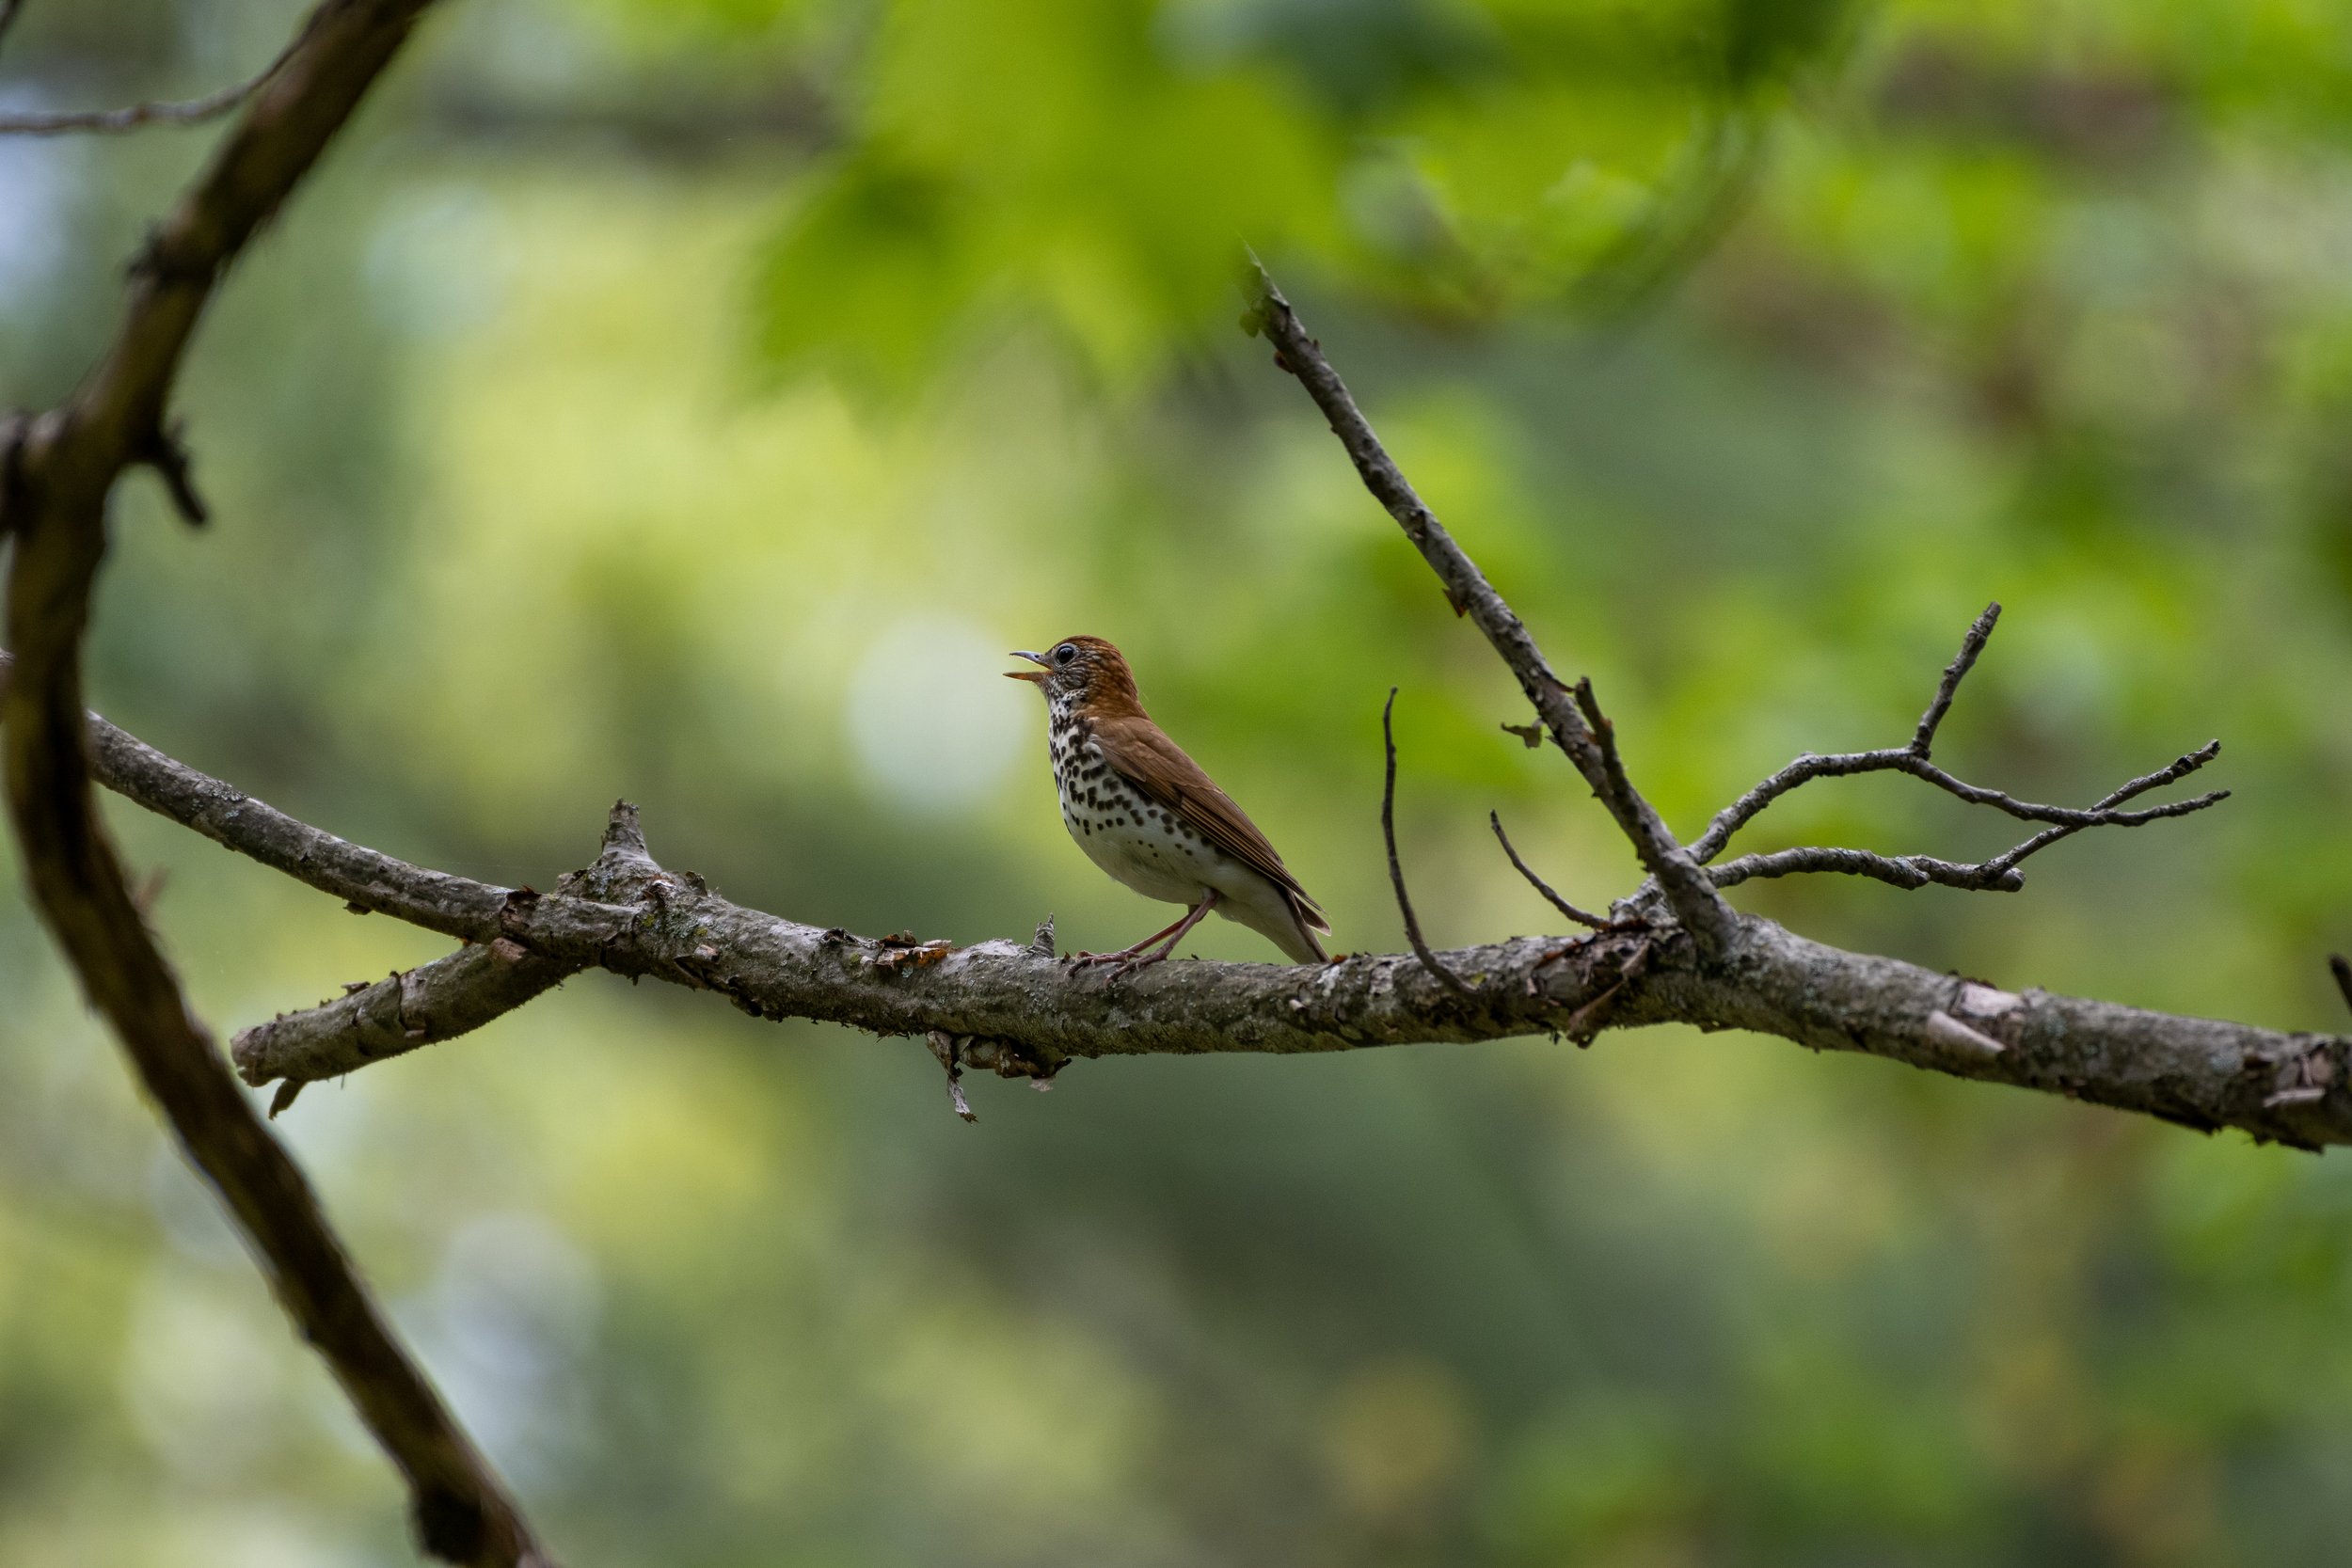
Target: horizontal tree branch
[(1012, 1008)]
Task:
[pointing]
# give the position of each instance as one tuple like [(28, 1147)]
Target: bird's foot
[(1121, 964)]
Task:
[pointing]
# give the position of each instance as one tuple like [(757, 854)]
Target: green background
[(691, 402)]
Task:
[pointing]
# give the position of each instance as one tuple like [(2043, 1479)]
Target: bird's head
[(1081, 672)]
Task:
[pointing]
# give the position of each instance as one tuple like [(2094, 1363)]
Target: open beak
[(1035, 678)]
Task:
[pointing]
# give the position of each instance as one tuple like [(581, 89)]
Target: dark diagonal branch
[(190, 111), (1689, 894), (59, 470), (1582, 917), (1396, 868)]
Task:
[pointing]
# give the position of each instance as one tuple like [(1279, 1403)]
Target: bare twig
[(59, 476), (191, 111), (1903, 871), (165, 455), (1696, 905), (1582, 917), (1396, 870), (1923, 738), (2000, 873)]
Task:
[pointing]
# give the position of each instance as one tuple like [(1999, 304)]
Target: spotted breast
[(1130, 835)]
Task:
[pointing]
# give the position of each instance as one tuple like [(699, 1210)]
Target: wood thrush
[(1146, 813)]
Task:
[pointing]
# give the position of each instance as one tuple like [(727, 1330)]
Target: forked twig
[(1997, 875), (1396, 870)]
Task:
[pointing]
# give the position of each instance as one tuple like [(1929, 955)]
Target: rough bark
[(1018, 1011)]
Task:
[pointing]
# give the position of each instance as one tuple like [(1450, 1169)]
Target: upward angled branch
[(1690, 895)]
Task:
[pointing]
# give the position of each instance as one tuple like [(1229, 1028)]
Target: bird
[(1145, 811)]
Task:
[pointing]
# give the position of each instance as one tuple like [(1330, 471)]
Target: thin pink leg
[(1192, 918), (1174, 927)]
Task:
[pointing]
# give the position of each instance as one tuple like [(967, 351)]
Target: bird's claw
[(1121, 964)]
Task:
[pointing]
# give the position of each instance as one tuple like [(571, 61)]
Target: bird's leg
[(1192, 917), (1083, 959)]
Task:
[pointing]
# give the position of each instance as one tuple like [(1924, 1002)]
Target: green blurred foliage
[(690, 402)]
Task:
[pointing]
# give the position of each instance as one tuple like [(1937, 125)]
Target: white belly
[(1142, 845)]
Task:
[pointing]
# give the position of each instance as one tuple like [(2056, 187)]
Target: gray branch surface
[(1012, 1008)]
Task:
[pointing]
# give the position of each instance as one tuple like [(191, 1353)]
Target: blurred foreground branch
[(57, 472)]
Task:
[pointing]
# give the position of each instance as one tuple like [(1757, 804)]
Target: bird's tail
[(1306, 920)]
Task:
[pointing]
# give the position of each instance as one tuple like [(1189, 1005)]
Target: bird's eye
[(1064, 653)]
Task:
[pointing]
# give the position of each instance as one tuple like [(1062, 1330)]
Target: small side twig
[(1923, 738), (189, 111), (1582, 917), (167, 455), (1396, 870), (1997, 875), (2341, 970), (949, 1050), (1615, 785)]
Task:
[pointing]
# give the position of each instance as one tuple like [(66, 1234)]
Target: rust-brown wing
[(1142, 753)]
